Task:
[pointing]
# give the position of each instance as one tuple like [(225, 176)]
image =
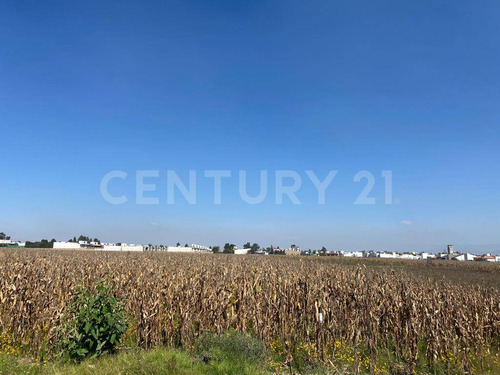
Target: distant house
[(6, 241), (95, 246), (240, 251), (487, 258), (176, 249), (353, 254), (131, 247), (464, 257), (9, 243), (201, 248), (387, 255), (408, 256), (66, 245), (424, 255), (111, 247)]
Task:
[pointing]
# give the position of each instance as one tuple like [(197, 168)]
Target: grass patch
[(233, 346), (134, 362)]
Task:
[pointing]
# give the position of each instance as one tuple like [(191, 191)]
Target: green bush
[(233, 345), (93, 323)]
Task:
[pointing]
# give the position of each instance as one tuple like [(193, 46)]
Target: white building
[(189, 249), (408, 256), (96, 246), (201, 248), (66, 245), (488, 258), (121, 247), (424, 256), (353, 254), (240, 251), (111, 247), (178, 249), (131, 247), (387, 255), (465, 257), (11, 243)]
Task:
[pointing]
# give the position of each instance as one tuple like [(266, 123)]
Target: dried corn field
[(329, 310)]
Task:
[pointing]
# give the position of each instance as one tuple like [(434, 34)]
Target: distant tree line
[(43, 244), (3, 236), (84, 238)]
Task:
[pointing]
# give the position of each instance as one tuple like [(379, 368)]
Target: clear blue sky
[(413, 87)]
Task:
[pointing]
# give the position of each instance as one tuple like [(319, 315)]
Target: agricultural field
[(344, 315)]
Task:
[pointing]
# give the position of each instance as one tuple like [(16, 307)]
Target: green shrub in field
[(233, 346), (93, 323)]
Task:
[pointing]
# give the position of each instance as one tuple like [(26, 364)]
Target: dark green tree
[(254, 248), (229, 248)]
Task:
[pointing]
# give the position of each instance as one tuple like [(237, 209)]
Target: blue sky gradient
[(412, 87)]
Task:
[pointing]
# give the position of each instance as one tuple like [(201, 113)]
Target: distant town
[(87, 243)]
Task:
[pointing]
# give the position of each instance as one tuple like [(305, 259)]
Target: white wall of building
[(12, 243), (408, 256), (180, 249), (353, 254), (189, 249), (111, 248), (201, 248), (132, 247), (464, 257), (66, 245), (106, 247), (387, 255)]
